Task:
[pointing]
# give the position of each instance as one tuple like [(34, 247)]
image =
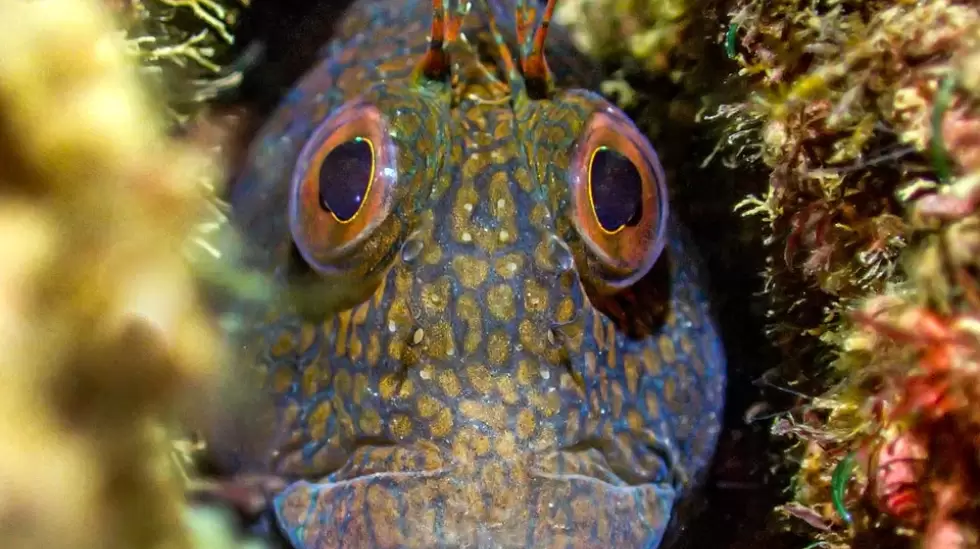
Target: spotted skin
[(456, 384)]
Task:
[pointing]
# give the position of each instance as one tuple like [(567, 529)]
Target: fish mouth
[(592, 458), (399, 496), (607, 461)]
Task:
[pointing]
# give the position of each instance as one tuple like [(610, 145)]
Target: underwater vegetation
[(180, 46), (654, 31), (868, 116)]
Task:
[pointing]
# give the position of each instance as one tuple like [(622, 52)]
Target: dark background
[(750, 475)]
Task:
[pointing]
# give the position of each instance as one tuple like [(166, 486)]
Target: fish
[(487, 330)]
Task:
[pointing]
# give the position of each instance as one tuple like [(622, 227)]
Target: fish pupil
[(345, 176), (617, 189)]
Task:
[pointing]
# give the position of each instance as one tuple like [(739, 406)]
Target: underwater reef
[(867, 115), (839, 140)]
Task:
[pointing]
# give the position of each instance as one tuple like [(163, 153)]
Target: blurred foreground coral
[(105, 340)]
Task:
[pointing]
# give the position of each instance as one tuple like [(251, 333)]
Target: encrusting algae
[(868, 115)]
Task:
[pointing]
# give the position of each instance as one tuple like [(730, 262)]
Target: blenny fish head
[(485, 324)]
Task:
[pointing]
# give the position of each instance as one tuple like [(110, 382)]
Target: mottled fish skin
[(477, 397)]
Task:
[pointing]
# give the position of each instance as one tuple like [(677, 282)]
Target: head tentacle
[(435, 62), (510, 67), (445, 30), (528, 74), (534, 65)]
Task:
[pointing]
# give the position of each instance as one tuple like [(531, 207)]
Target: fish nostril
[(561, 255), (412, 248), (556, 332)]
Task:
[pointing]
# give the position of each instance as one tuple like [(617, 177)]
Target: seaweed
[(871, 136)]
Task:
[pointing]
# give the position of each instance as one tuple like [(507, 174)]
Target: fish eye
[(342, 185), (346, 174), (618, 199)]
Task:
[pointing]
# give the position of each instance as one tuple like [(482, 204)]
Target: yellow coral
[(103, 334)]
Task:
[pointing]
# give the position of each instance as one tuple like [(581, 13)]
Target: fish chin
[(473, 504)]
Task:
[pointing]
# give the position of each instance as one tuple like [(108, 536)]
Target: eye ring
[(618, 209), (325, 237)]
